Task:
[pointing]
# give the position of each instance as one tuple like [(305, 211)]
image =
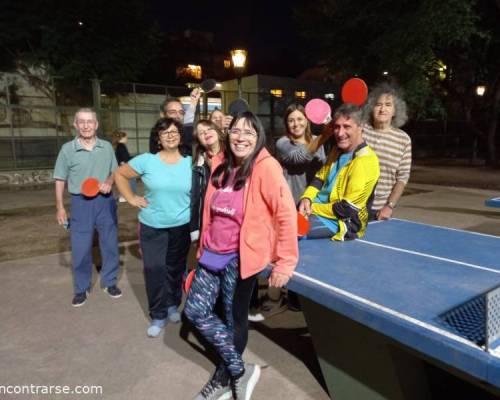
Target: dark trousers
[(164, 252), (88, 214)]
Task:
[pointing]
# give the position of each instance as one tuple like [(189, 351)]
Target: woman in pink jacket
[(249, 222)]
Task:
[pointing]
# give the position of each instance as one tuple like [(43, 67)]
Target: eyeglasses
[(245, 134), (208, 130), (170, 133)]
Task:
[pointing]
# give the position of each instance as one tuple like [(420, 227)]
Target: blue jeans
[(88, 214), (164, 252)]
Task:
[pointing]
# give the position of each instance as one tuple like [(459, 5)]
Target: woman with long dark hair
[(249, 221)]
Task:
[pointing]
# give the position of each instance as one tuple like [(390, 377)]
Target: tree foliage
[(75, 41), (438, 51)]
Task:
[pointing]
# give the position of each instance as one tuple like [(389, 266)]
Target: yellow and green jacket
[(352, 192)]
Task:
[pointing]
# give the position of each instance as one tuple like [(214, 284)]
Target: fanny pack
[(216, 262)]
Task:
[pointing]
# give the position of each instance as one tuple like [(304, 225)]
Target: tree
[(75, 41), (438, 50)]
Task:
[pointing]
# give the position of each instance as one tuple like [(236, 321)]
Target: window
[(189, 71), (277, 92), (300, 94)]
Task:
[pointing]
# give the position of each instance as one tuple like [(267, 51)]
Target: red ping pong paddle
[(318, 111), (302, 225), (355, 91), (186, 285), (90, 187)]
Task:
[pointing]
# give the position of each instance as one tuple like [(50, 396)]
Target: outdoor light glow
[(80, 23), (385, 73), (300, 94), (218, 85), (195, 71), (277, 92), (480, 90), (239, 57), (329, 96)]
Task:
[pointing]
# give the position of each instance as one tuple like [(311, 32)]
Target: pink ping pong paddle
[(302, 225), (186, 285), (355, 91), (90, 187), (318, 111)]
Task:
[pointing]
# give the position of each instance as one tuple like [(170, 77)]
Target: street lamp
[(480, 90), (239, 57)]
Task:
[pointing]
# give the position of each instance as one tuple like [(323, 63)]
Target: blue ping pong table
[(494, 202), (376, 308)]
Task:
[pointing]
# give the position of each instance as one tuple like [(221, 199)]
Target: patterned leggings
[(199, 309)]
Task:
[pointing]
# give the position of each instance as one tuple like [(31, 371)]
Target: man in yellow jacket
[(337, 199)]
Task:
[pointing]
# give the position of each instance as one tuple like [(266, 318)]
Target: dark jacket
[(201, 175)]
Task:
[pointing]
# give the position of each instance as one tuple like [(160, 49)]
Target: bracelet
[(391, 205)]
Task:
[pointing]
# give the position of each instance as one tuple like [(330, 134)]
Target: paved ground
[(45, 341)]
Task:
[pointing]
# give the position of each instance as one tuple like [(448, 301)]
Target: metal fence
[(33, 127)]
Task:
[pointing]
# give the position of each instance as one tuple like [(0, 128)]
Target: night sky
[(265, 28)]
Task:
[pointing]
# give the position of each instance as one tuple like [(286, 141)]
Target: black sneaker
[(244, 385), (113, 291), (79, 299)]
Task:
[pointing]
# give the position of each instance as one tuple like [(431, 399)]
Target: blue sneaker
[(156, 326), (174, 314)]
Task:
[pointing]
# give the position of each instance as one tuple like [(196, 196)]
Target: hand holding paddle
[(305, 207)]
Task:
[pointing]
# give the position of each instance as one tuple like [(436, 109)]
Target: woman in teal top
[(164, 218)]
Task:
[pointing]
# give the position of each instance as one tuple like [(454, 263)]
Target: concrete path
[(45, 341)]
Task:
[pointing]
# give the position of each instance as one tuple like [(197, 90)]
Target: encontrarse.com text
[(50, 389)]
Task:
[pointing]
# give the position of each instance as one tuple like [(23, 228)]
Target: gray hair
[(400, 109), (86, 110), (348, 111)]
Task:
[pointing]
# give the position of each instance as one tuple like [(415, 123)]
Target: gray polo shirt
[(75, 164)]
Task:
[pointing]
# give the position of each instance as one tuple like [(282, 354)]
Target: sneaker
[(268, 308), (244, 385), (173, 314), (79, 299), (156, 326), (255, 316), (113, 291), (214, 390)]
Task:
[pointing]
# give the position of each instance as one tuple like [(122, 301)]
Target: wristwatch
[(391, 205)]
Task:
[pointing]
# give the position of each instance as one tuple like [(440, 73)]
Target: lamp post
[(239, 57)]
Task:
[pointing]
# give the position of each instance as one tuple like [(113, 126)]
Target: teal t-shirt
[(323, 195), (167, 190)]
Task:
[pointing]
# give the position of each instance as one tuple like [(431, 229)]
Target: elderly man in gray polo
[(84, 157)]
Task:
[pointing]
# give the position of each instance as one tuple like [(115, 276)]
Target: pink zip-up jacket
[(269, 228)]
